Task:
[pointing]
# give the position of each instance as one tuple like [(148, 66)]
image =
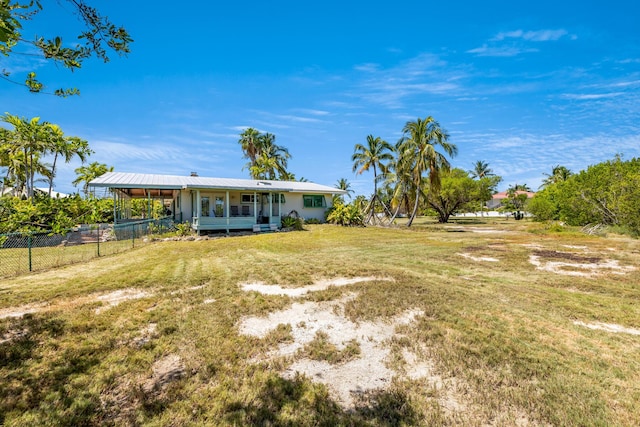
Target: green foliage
[(312, 221), (183, 228), (457, 190), (99, 34), (52, 214), (267, 160), (346, 215), (606, 193), (544, 205), (417, 155), (321, 348), (22, 148), (85, 174), (292, 222), (517, 200)]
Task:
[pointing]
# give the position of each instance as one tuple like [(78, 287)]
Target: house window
[(219, 206), (310, 201), (205, 206), (274, 198), (247, 198)]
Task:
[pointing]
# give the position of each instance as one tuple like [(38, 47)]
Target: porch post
[(198, 211), (198, 204), (255, 208), (115, 206), (228, 209), (270, 206)]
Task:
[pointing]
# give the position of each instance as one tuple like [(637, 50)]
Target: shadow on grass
[(297, 402), (33, 383)]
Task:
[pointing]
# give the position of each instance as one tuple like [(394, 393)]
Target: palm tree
[(481, 170), (374, 155), (267, 160), (28, 140), (249, 140), (345, 185), (88, 173), (67, 147), (558, 174), (273, 158), (418, 147)]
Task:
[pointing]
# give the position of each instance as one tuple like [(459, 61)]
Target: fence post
[(98, 238), (133, 235), (29, 242)]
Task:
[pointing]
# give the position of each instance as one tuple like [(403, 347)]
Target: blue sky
[(523, 86)]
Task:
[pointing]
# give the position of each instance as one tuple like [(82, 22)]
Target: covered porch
[(226, 210)]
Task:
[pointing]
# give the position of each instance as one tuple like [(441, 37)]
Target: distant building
[(498, 198), (10, 191)]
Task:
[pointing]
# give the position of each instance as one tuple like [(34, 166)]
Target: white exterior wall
[(293, 201)]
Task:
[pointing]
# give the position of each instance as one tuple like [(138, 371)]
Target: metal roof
[(175, 182)]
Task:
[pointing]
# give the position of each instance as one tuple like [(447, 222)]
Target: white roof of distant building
[(176, 182)]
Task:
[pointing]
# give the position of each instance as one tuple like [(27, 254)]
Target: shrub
[(292, 222), (346, 215), (183, 228)]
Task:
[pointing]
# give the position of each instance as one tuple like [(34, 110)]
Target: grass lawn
[(477, 322)]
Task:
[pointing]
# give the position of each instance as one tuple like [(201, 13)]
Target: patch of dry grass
[(503, 342)]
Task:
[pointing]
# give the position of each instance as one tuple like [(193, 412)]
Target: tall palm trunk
[(53, 173)]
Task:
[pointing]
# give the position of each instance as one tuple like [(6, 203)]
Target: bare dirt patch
[(478, 258), (169, 368), (543, 253), (115, 298), (320, 285), (22, 310), (111, 299), (346, 381), (608, 327), (587, 269), (574, 264)]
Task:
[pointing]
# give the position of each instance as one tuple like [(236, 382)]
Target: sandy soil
[(608, 327), (345, 381), (478, 258), (320, 285)]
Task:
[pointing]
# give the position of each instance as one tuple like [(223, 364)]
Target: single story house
[(219, 203), (498, 198)]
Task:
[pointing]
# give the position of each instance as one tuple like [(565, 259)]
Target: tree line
[(415, 176), (23, 151), (607, 193)]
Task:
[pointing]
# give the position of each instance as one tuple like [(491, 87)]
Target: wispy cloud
[(591, 96), (534, 36), (500, 51), (314, 112), (424, 74), (517, 42)]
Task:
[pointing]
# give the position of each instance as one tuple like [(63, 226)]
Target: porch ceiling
[(146, 192)]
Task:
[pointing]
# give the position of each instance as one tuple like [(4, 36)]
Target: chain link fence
[(26, 252)]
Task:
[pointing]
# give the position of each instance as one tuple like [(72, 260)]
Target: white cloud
[(500, 51), (591, 96), (535, 36)]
